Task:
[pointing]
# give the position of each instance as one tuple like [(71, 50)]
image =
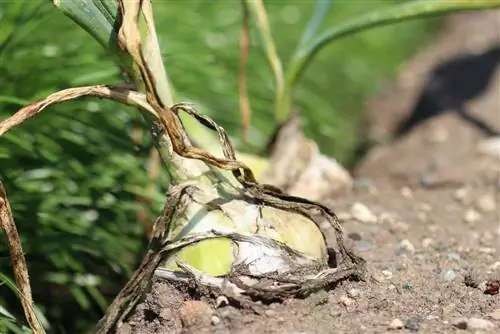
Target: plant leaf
[(321, 10), (393, 14), (98, 19)]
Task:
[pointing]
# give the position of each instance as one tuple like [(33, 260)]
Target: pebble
[(461, 194), (406, 193), (405, 246), (378, 277), (413, 324), (407, 286), (354, 293), (396, 324), (494, 266), (473, 324), (426, 207), (215, 320), (399, 226), (195, 312), (362, 214), (387, 274), (427, 242), (271, 313), (449, 275), (346, 301), (487, 250), (495, 315), (221, 301), (471, 216), (486, 203)]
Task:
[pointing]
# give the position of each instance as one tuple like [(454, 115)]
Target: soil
[(433, 251)]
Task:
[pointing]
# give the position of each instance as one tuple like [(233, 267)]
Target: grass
[(73, 186)]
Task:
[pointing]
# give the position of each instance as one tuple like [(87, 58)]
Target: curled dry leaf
[(116, 93)]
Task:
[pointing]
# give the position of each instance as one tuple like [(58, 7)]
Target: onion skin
[(237, 213)]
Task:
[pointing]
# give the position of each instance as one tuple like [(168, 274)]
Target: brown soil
[(436, 243)]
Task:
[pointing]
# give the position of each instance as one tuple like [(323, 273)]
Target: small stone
[(406, 193), (196, 312), (378, 277), (362, 214), (125, 328), (494, 266), (405, 246), (271, 313), (427, 242), (215, 320), (398, 226), (486, 203), (495, 315), (413, 324), (221, 301), (487, 250), (461, 194), (407, 286), (482, 285), (354, 293), (449, 275), (471, 216), (396, 324), (346, 301), (387, 274)]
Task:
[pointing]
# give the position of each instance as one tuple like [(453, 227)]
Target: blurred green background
[(73, 174)]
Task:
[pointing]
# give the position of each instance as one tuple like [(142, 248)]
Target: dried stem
[(117, 93), (259, 13), (19, 266)]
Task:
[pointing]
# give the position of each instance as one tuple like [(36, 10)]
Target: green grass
[(72, 175)]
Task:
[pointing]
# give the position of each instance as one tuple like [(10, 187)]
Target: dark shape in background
[(452, 84)]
